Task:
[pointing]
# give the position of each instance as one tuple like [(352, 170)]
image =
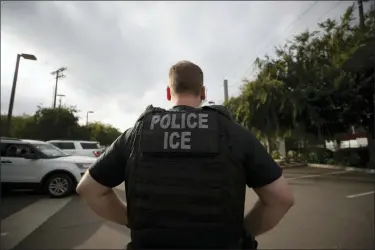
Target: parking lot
[(334, 209)]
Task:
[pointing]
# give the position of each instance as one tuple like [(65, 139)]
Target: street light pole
[(87, 116), (11, 102), (13, 93)]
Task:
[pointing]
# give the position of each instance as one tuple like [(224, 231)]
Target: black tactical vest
[(184, 187)]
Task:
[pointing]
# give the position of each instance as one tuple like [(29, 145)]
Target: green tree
[(20, 125), (58, 123), (103, 133), (305, 87)]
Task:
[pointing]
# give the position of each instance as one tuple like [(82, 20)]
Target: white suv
[(84, 148), (39, 165)]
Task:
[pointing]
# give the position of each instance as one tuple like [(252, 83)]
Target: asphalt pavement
[(334, 209)]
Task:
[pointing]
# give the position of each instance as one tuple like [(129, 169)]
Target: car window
[(50, 150), (15, 150), (65, 145), (3, 147), (56, 144), (90, 145)]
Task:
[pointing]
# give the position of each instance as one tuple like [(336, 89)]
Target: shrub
[(317, 155), (356, 157), (331, 162), (295, 156), (312, 157), (275, 154)]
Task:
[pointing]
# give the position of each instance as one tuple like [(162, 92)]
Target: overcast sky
[(118, 54)]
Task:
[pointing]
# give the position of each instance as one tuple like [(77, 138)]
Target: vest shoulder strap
[(220, 109), (149, 109)]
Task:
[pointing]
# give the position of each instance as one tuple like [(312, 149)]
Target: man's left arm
[(96, 186)]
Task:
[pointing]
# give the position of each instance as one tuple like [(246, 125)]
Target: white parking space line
[(107, 237), (359, 195), (18, 226), (121, 186), (317, 175)]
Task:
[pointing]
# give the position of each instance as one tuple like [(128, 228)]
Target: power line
[(304, 13), (290, 25), (296, 20)]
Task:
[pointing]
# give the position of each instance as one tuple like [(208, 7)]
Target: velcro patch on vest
[(180, 132)]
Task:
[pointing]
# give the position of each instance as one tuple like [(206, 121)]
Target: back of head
[(186, 79)]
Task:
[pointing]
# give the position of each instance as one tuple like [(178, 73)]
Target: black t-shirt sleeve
[(109, 168), (260, 168)]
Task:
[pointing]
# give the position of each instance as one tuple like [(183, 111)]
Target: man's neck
[(191, 102)]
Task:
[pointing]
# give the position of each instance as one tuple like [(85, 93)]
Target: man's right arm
[(264, 175), (275, 200)]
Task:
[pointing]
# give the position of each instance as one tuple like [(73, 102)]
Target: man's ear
[(169, 93), (203, 93)]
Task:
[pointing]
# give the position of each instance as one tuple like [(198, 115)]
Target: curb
[(360, 170), (292, 165), (296, 165)]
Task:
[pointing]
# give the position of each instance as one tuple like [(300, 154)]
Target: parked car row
[(84, 148), (31, 164)]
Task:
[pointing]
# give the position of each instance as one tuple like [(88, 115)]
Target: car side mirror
[(31, 156)]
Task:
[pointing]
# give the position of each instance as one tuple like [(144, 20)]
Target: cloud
[(118, 53)]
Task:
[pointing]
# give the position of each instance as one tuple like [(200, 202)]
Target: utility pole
[(59, 74), (60, 99), (226, 90)]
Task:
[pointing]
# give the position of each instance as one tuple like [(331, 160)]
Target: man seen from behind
[(185, 171)]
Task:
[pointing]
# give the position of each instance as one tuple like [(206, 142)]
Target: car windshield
[(50, 150)]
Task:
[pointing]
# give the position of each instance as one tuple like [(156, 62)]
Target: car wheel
[(59, 185)]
